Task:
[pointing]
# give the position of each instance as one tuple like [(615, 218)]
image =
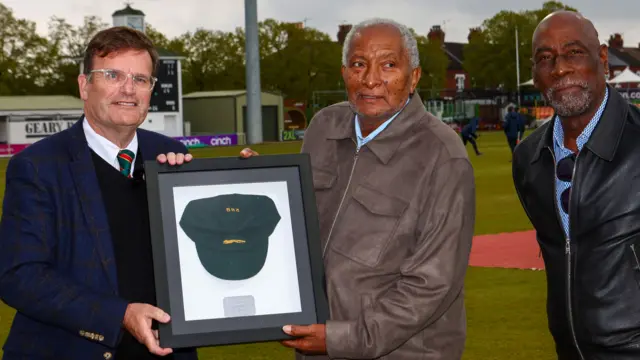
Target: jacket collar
[(387, 142), (79, 148), (606, 136)]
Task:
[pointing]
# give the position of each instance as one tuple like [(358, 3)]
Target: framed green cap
[(231, 233)]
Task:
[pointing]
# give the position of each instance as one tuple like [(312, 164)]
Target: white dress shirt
[(105, 148)]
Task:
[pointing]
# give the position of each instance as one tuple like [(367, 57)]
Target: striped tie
[(125, 158)]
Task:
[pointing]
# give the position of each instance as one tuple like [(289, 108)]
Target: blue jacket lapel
[(148, 147), (86, 182)]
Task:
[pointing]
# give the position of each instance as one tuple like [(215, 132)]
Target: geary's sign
[(39, 128), (27, 129)]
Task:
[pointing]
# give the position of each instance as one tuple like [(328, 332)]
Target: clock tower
[(130, 17)]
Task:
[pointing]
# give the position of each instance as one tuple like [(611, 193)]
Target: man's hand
[(137, 321), (247, 153), (174, 159), (312, 338)]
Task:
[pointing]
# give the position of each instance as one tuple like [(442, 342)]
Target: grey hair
[(409, 41)]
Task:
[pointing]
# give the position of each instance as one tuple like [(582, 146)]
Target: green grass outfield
[(506, 308)]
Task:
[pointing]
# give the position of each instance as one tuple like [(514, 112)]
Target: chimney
[(615, 41), (474, 32), (436, 33), (343, 30), (291, 28)]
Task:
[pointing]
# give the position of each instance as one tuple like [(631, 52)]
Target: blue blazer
[(57, 266)]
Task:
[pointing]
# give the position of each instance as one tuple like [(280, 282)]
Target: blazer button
[(107, 355), (101, 337)]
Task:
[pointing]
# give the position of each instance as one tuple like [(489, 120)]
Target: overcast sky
[(174, 17)]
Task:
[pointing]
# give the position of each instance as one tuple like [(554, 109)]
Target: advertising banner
[(208, 140), (11, 149), (292, 135)]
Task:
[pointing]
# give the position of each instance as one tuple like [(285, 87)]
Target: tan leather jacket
[(396, 223)]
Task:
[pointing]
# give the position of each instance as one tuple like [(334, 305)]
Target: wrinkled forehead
[(380, 37)]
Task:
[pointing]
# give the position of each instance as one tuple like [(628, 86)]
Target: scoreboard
[(165, 96)]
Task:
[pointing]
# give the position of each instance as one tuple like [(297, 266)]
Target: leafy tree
[(25, 56), (490, 55), (212, 60), (158, 39), (296, 61), (68, 44)]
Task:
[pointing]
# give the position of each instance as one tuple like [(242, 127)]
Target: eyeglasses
[(573, 57), (564, 172), (115, 77)]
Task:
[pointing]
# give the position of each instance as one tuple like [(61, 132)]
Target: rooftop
[(128, 10), (40, 102), (208, 94)]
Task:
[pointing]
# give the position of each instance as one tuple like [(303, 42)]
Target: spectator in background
[(468, 133), (523, 124), (513, 128)]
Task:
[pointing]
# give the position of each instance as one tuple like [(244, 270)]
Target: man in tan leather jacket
[(396, 200)]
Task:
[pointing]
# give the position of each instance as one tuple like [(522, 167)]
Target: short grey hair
[(409, 41)]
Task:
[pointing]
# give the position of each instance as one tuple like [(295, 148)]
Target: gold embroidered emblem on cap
[(231, 241)]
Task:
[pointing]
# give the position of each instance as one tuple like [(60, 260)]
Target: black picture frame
[(164, 180)]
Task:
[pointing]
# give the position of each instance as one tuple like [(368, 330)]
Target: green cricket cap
[(231, 233)]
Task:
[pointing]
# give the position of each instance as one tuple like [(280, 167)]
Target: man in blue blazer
[(75, 252)]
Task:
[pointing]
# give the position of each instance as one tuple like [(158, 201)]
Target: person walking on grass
[(469, 133)]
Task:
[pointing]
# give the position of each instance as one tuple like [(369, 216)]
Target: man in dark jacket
[(577, 179), (513, 128), (396, 255), (75, 247), (468, 133)]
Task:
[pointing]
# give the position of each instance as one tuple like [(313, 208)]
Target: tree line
[(294, 61)]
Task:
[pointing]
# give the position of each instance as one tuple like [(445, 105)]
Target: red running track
[(518, 250)]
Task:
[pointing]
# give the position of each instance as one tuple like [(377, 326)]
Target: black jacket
[(514, 125), (593, 285)]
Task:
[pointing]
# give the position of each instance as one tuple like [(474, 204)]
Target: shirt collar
[(105, 148), (364, 140)]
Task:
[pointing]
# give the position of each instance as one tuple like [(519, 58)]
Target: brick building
[(621, 57), (457, 78)]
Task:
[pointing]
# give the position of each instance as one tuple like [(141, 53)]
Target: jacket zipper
[(567, 247), (346, 190)]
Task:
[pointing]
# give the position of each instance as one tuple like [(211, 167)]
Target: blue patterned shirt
[(562, 152)]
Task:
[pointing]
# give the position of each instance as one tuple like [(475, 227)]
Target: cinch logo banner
[(632, 94), (208, 140)]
